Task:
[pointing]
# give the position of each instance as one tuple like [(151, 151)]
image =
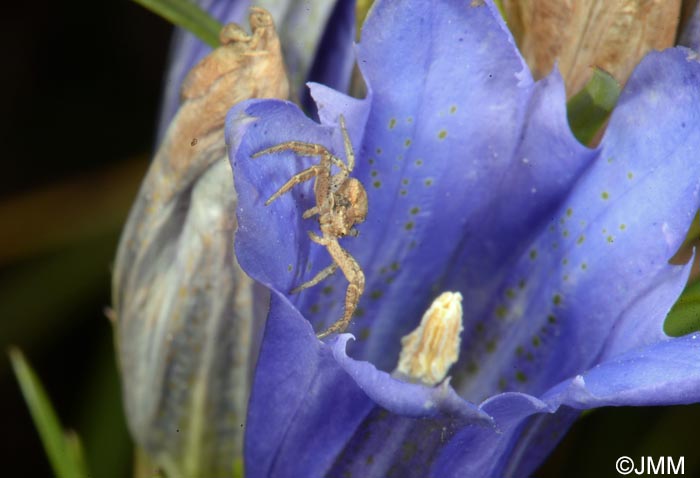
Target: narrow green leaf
[(188, 15), (684, 317), (76, 453), (64, 452), (588, 109)]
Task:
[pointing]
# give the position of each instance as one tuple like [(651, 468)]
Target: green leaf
[(64, 450), (188, 15), (588, 109), (684, 317)]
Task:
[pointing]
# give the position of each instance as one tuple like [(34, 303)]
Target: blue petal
[(309, 400), (335, 57), (419, 204), (664, 373), (597, 282)]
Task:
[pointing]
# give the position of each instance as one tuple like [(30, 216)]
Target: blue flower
[(475, 185)]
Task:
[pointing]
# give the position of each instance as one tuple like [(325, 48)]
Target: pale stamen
[(429, 351)]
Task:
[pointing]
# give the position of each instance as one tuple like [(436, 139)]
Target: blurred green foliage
[(62, 447)]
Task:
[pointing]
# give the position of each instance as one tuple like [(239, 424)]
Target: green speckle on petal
[(379, 151), (610, 239), (605, 195), (569, 212), (376, 294), (359, 312), (491, 346), (364, 333), (630, 175), (442, 134), (556, 300), (289, 268), (327, 290), (409, 225), (623, 227), (453, 109), (501, 311), (407, 143), (533, 254), (419, 162), (551, 319), (377, 184), (429, 182), (392, 123), (520, 377), (414, 210), (536, 341), (580, 239)]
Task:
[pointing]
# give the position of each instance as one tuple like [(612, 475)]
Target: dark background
[(81, 88)]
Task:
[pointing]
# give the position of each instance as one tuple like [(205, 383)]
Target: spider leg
[(327, 272), (299, 147), (356, 278), (349, 153), (318, 239), (303, 149), (298, 178), (310, 212)]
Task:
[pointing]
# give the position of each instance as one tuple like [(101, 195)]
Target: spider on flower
[(341, 203)]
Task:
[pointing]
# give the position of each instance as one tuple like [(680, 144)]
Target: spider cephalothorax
[(341, 202)]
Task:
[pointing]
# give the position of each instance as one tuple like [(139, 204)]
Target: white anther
[(429, 351)]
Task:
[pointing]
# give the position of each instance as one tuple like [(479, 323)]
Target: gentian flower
[(475, 185)]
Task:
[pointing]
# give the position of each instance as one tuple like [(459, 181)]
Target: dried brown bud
[(186, 320), (580, 34)]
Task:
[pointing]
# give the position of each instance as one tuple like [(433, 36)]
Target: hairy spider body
[(341, 202)]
